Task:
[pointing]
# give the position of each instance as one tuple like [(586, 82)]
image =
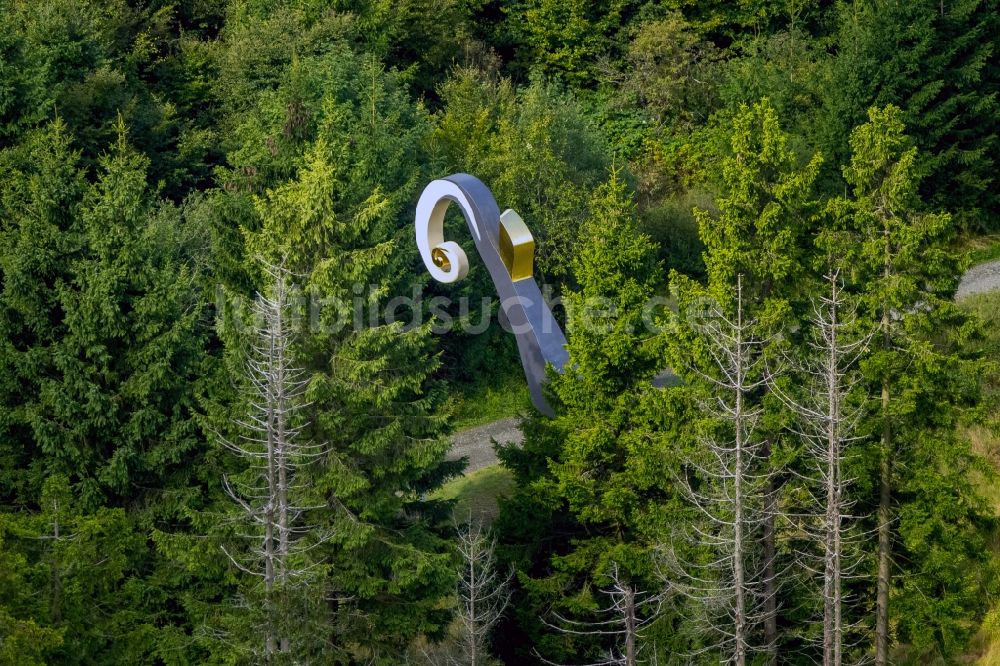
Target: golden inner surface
[(517, 246), (440, 259)]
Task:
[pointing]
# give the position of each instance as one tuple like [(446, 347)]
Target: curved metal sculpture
[(507, 248)]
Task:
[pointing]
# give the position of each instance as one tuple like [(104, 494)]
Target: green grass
[(490, 400), (477, 493), (981, 248), (987, 306), (985, 435)]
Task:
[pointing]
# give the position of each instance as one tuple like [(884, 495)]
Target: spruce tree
[(931, 564), (25, 637), (103, 354), (80, 563), (102, 337), (375, 408), (592, 482), (322, 182), (933, 60)]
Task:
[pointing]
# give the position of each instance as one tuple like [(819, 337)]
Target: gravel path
[(477, 443), (980, 279)]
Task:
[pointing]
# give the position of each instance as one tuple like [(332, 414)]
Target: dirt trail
[(477, 443), (980, 279)]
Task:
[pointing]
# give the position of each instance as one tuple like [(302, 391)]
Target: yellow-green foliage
[(985, 439), (987, 306)]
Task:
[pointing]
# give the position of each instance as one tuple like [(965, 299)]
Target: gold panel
[(517, 247), (440, 259)]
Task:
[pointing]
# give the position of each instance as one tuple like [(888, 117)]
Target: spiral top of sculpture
[(507, 248)]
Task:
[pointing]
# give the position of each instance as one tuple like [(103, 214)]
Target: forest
[(229, 387)]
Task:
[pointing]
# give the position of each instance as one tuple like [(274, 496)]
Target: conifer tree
[(933, 60), (103, 343), (268, 490), (373, 404), (79, 563), (927, 511), (827, 412), (761, 237), (731, 585), (23, 614), (483, 593), (322, 183), (102, 359), (40, 239), (590, 481)]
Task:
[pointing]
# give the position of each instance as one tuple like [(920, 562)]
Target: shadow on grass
[(476, 495)]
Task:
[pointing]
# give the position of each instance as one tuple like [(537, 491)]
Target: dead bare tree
[(56, 537), (269, 440), (826, 424), (483, 592), (629, 612), (728, 487)]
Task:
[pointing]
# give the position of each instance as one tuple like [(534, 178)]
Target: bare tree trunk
[(832, 517), (626, 622), (838, 609), (884, 519), (831, 592), (740, 419), (830, 564), (56, 602), (270, 645), (270, 443), (770, 573), (739, 582), (630, 627), (472, 606), (482, 592), (281, 400), (734, 494), (826, 432)]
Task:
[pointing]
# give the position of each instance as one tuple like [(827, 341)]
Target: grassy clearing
[(987, 306), (490, 400), (475, 497), (986, 444), (981, 248), (477, 494)]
